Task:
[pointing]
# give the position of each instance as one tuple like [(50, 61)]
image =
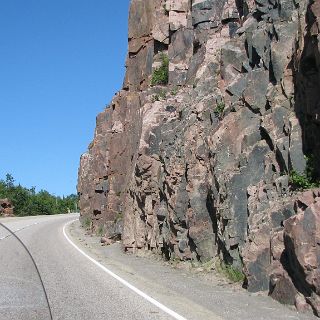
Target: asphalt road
[(111, 285)]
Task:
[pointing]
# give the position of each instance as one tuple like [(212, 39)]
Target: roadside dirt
[(196, 288)]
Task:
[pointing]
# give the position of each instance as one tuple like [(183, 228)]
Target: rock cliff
[(207, 148)]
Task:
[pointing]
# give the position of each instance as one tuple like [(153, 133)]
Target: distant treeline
[(29, 202)]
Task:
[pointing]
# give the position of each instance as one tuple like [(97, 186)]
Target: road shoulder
[(193, 294)]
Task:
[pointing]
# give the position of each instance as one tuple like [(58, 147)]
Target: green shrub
[(87, 223), (174, 91), (101, 231), (162, 94), (302, 181), (218, 111), (118, 217), (160, 75), (306, 180), (229, 271), (299, 181), (159, 96)]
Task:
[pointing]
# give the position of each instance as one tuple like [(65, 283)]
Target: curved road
[(79, 289), (76, 288)]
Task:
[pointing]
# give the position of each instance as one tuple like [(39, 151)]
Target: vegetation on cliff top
[(29, 202)]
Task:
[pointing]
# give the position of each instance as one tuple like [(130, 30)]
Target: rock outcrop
[(6, 208), (208, 163)]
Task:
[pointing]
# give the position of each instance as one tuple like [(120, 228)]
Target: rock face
[(6, 208), (200, 168)]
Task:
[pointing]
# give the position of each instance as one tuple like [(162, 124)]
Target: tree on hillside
[(9, 180), (29, 202)]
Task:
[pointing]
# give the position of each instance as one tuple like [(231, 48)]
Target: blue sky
[(61, 62)]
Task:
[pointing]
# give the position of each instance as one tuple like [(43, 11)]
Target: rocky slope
[(208, 165)]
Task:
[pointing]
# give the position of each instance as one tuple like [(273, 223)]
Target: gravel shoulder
[(192, 292)]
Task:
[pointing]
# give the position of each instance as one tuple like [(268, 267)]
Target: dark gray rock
[(296, 156), (256, 91), (233, 53), (282, 49), (237, 87), (207, 11), (259, 279)]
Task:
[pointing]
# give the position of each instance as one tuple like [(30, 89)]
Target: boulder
[(6, 208)]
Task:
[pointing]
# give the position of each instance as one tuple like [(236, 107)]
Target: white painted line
[(124, 282)]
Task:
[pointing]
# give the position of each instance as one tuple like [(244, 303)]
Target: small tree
[(9, 180)]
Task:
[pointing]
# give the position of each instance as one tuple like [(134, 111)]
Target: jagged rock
[(202, 167), (177, 20), (178, 5), (302, 238), (282, 50), (297, 158), (230, 11), (232, 58), (301, 303), (257, 260), (282, 288), (106, 241), (237, 86), (207, 13), (141, 18), (161, 30), (256, 89), (180, 53)]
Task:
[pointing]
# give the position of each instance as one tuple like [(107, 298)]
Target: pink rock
[(306, 198), (277, 245), (283, 289), (302, 238), (106, 241), (301, 303), (6, 208)]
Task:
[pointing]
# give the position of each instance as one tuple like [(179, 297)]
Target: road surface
[(86, 281)]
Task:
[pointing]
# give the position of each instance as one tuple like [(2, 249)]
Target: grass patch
[(229, 271), (87, 223), (174, 91), (101, 231), (219, 109), (159, 96), (160, 75), (162, 94), (205, 266), (118, 217)]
